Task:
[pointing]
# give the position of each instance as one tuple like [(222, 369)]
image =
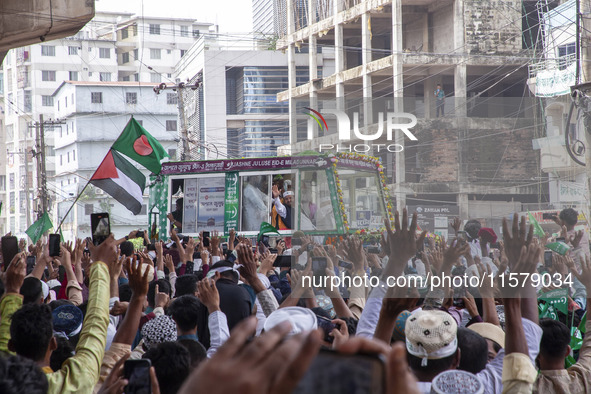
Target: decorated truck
[(332, 194)]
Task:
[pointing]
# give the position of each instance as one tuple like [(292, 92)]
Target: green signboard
[(231, 202), (159, 204)]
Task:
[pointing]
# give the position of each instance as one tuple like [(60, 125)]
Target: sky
[(239, 20)]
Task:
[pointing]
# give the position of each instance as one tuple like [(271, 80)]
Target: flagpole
[(74, 203), (88, 182)]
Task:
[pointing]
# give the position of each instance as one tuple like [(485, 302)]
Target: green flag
[(557, 298), (266, 228), (547, 311), (538, 230), (39, 227), (559, 247), (136, 143)]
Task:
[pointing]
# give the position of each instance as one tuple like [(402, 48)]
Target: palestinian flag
[(137, 144), (120, 179)]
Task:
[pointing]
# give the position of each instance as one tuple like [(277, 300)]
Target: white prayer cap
[(301, 319)]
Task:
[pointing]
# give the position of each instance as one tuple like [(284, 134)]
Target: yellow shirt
[(80, 373), (10, 303)]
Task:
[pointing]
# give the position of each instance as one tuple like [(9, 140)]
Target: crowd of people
[(216, 315)]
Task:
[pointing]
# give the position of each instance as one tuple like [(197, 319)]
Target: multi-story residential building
[(111, 47), (149, 47), (478, 156), (550, 79), (95, 115), (31, 75), (235, 113)]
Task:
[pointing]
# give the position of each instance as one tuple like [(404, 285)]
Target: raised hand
[(208, 293), (575, 240), (452, 254), (105, 252), (456, 223), (516, 239), (138, 282), (274, 361), (340, 333), (525, 264), (15, 273), (248, 270), (160, 299), (402, 244), (169, 263), (585, 276), (267, 262), (275, 191)]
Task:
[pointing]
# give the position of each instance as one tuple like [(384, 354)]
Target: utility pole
[(582, 18), (39, 154), (184, 134)]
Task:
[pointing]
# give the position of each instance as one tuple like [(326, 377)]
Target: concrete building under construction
[(390, 55)]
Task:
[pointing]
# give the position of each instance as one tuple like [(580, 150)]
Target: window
[(27, 101), (47, 50), (73, 155), (11, 102), (125, 78), (88, 209), (168, 51), (125, 58), (171, 125), (68, 158), (96, 97), (62, 163), (72, 50), (136, 77), (183, 52), (155, 77), (66, 102), (154, 29), (195, 33), (172, 154), (566, 55), (105, 77), (144, 209), (47, 75), (47, 101), (184, 31), (155, 53), (105, 53), (73, 75), (124, 33), (135, 54), (130, 98), (140, 122), (169, 75), (171, 98)]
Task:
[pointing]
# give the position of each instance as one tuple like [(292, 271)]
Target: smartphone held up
[(100, 226)]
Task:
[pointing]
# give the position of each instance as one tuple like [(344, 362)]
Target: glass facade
[(251, 91)]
